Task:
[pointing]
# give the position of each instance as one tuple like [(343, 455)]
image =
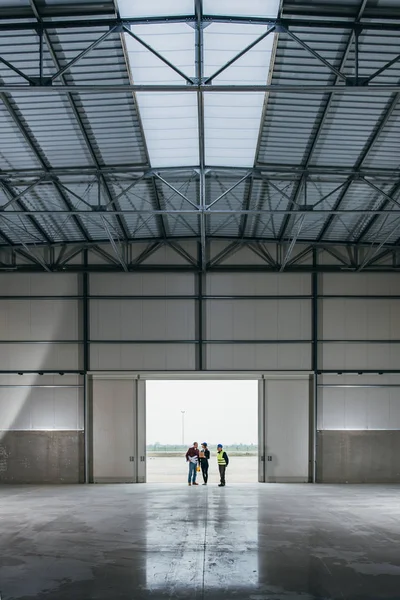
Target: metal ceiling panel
[(326, 167)]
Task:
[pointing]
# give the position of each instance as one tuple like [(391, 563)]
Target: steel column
[(86, 363), (315, 337), (200, 315)]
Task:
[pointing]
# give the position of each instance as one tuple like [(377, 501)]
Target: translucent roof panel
[(232, 124), (232, 120), (170, 127), (169, 119), (155, 8), (252, 8)]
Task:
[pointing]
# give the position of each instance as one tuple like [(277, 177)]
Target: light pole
[(183, 427)]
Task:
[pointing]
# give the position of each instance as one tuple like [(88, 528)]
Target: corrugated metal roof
[(91, 149), (333, 131)]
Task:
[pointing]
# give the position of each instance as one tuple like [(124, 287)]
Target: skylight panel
[(239, 8), (155, 8), (169, 119), (232, 120)]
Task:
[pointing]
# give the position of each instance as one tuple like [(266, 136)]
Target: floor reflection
[(205, 545), (250, 542)]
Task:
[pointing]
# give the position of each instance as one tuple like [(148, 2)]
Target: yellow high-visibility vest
[(220, 458)]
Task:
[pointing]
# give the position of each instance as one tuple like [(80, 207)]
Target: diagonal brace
[(157, 54), (239, 55), (83, 53)]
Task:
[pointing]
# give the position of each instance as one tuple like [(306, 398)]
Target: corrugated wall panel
[(243, 284), (360, 284), (41, 357), (259, 357), (36, 402), (258, 320), (25, 408), (360, 319), (359, 357), (30, 320), (142, 284), (39, 284), (151, 357), (359, 408), (142, 319)]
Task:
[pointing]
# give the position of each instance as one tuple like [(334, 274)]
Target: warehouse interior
[(199, 190)]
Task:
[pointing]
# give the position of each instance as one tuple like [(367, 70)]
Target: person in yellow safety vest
[(223, 462)]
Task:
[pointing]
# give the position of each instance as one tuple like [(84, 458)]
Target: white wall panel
[(258, 319), (360, 284), (359, 357), (256, 357), (359, 408), (40, 357), (252, 284), (365, 379), (168, 256), (287, 430), (28, 408), (142, 284), (29, 379), (39, 284), (28, 320), (133, 357), (142, 319), (348, 319), (113, 413)]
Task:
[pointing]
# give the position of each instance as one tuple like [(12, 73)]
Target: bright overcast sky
[(215, 411)]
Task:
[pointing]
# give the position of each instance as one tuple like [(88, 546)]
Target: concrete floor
[(250, 542)]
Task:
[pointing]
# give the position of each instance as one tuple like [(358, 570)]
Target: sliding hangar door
[(62, 335)]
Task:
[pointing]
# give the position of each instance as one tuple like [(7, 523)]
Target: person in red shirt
[(192, 457)]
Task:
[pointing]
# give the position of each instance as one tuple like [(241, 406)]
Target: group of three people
[(199, 458)]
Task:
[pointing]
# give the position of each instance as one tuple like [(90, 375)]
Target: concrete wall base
[(42, 457), (358, 456)]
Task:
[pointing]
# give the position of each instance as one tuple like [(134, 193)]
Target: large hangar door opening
[(213, 411)]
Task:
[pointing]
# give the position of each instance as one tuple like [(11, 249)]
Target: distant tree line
[(160, 448)]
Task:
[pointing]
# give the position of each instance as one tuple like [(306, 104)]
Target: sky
[(223, 412)]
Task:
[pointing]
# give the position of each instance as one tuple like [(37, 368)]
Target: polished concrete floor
[(250, 542)]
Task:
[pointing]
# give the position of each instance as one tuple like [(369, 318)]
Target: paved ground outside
[(242, 469)]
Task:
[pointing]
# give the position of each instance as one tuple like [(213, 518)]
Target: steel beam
[(191, 211), (298, 226), (273, 88), (262, 243), (128, 31), (82, 54), (132, 174), (114, 245), (73, 22), (316, 55), (228, 191), (378, 130), (77, 116), (370, 256), (239, 55), (176, 191), (325, 113)]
